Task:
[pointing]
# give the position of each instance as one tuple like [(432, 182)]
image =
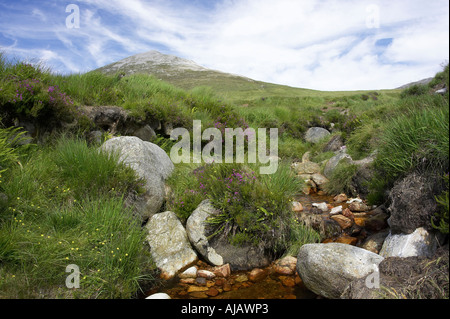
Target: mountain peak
[(152, 62)]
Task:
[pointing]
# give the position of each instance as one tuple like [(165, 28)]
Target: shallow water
[(274, 286)]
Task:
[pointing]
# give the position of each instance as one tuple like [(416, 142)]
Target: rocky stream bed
[(280, 279)]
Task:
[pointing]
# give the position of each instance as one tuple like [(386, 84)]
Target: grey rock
[(149, 162), (306, 168), (196, 230), (333, 162), (316, 134), (441, 91), (145, 133), (326, 227), (319, 179), (334, 144), (374, 242), (95, 137), (420, 243), (169, 244), (327, 269), (322, 206), (412, 202), (217, 250)]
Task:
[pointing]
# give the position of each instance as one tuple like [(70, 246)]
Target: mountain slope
[(187, 75), (421, 82)]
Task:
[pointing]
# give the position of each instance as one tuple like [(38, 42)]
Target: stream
[(273, 285)]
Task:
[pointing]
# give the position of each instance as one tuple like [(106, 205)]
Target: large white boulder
[(150, 162), (327, 269), (420, 243), (169, 244)]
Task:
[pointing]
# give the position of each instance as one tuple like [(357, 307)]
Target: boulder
[(327, 269), (319, 179), (95, 137), (413, 203), (150, 163), (364, 174), (107, 118), (316, 134), (169, 244), (242, 257), (218, 250), (409, 277), (145, 133), (306, 168), (333, 162), (420, 243), (334, 144), (326, 227), (196, 230)]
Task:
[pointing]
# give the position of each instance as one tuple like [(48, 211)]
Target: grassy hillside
[(50, 217)]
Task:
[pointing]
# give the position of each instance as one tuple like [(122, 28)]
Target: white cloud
[(38, 13), (325, 44), (319, 44)]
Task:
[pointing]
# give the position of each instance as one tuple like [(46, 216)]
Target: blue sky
[(318, 44)]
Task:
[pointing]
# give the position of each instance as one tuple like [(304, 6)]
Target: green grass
[(65, 206)]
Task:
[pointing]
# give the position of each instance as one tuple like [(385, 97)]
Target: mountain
[(421, 82), (153, 62), (188, 74)]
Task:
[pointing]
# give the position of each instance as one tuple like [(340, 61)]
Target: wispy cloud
[(320, 44)]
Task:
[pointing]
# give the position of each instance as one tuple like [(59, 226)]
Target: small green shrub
[(441, 78), (341, 179), (363, 140), (254, 208), (414, 90)]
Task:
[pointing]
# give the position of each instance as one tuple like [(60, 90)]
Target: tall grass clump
[(65, 205), (10, 147), (416, 140)]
